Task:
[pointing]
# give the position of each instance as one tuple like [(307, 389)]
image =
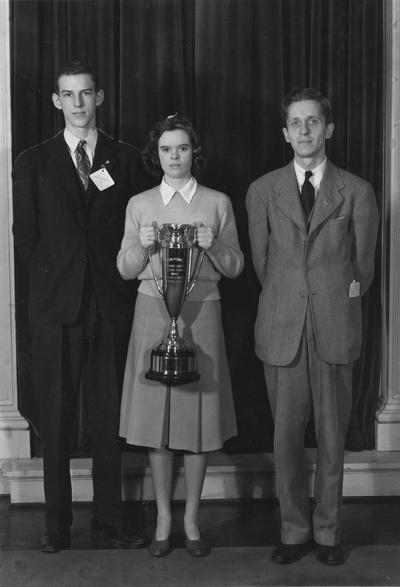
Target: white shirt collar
[(316, 177), (91, 140), (187, 191)]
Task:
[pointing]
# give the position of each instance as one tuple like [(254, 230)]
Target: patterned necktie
[(307, 194), (82, 163)]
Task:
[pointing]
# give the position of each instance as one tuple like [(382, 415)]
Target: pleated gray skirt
[(195, 417)]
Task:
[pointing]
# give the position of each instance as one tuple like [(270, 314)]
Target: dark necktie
[(307, 194), (82, 163)]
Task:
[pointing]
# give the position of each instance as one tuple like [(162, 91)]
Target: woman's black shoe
[(159, 547), (196, 547)]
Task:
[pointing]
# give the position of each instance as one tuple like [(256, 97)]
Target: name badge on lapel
[(102, 179)]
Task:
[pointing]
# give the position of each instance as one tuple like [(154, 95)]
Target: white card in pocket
[(354, 289), (102, 179)]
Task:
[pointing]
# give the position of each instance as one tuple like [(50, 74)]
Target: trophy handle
[(158, 283), (197, 267)]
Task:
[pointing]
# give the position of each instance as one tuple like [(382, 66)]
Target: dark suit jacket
[(299, 268), (59, 228)]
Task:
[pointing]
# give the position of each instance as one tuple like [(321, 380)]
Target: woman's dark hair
[(174, 122)]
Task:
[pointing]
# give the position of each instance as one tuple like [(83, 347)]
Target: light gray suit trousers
[(309, 386)]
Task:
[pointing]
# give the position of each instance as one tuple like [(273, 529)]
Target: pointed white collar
[(187, 191)]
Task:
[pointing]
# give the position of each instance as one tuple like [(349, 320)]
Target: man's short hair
[(300, 94), (75, 67)]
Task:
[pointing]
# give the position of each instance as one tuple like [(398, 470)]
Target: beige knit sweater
[(207, 206)]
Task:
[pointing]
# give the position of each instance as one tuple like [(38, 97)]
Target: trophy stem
[(173, 336), (173, 330)]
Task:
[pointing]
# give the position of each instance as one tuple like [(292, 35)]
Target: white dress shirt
[(90, 147), (316, 177)]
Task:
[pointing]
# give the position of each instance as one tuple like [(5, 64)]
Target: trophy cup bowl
[(172, 361)]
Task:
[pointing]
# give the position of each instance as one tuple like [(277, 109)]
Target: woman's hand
[(205, 237), (147, 236)]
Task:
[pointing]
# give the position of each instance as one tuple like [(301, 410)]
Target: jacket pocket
[(40, 265)]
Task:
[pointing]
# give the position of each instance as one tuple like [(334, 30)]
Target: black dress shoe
[(120, 537), (196, 547), (285, 554), (330, 555), (54, 541), (159, 547)]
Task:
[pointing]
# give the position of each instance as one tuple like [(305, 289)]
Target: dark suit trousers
[(65, 361), (309, 386)]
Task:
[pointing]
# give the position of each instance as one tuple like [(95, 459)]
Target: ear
[(329, 130), (56, 101), (99, 97), (286, 134)]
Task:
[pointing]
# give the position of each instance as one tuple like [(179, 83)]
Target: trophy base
[(173, 368)]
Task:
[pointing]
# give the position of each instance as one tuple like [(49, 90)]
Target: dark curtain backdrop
[(226, 65)]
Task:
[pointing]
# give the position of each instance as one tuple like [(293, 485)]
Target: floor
[(241, 532)]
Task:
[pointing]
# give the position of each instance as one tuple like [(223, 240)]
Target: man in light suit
[(70, 196), (313, 239)]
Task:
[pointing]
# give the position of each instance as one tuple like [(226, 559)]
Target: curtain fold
[(225, 64), (156, 64)]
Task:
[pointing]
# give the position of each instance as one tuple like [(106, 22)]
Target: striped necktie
[(82, 163)]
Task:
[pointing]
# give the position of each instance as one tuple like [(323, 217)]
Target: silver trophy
[(172, 361)]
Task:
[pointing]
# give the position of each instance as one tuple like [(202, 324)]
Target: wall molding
[(239, 476), (14, 432), (388, 416)]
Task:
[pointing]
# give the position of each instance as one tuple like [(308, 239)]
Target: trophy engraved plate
[(172, 361)]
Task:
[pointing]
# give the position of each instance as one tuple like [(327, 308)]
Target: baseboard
[(251, 476)]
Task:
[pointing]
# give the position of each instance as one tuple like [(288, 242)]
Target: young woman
[(198, 417)]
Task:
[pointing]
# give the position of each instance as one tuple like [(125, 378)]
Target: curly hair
[(173, 122)]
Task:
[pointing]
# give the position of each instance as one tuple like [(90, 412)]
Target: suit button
[(83, 261), (303, 294)]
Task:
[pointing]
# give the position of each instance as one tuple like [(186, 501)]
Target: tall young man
[(70, 195)]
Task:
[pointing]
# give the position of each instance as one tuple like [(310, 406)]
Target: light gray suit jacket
[(297, 268)]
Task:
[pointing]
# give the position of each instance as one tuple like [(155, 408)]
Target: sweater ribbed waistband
[(203, 291)]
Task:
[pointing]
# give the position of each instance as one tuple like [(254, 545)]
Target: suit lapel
[(289, 199), (328, 198), (106, 155)]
